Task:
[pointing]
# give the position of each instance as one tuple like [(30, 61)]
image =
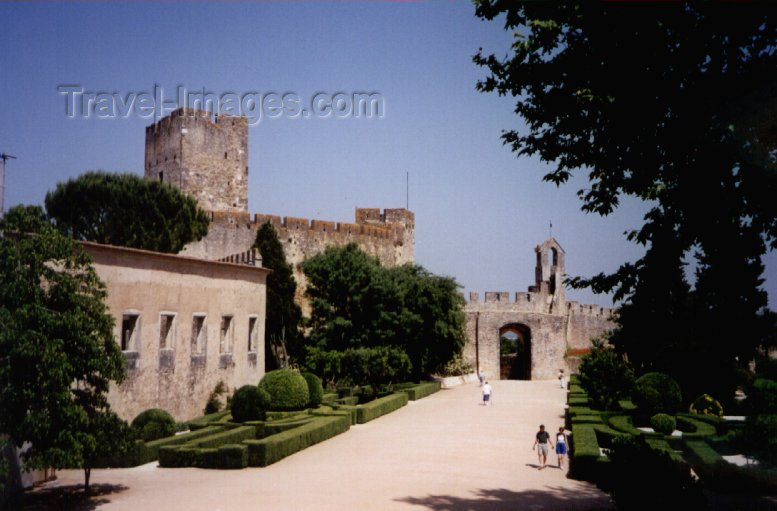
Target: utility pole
[(3, 158)]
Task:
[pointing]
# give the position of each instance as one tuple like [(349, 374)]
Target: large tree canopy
[(284, 316), (126, 210), (58, 354), (356, 304), (672, 103)]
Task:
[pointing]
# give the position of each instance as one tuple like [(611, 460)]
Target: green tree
[(431, 322), (605, 376), (670, 104), (353, 302), (126, 210), (375, 366), (57, 350), (284, 316), (356, 303)]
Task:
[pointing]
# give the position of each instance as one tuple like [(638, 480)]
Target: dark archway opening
[(515, 352)]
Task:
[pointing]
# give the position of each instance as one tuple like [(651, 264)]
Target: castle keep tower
[(203, 155)]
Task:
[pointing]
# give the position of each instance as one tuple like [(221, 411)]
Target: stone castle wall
[(387, 235), (554, 325), (205, 156)]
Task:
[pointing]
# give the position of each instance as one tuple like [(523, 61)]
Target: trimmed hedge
[(660, 444), (146, 452), (577, 400), (348, 401), (230, 456), (627, 405), (315, 389), (249, 403), (663, 423), (276, 447), (700, 452), (379, 407), (700, 428), (287, 388), (207, 420), (231, 436), (422, 390), (273, 428), (153, 424), (585, 453), (623, 424), (329, 398)]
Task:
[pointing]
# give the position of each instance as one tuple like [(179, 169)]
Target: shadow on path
[(66, 498), (549, 499)]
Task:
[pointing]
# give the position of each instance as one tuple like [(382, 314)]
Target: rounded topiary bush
[(315, 389), (288, 390), (153, 424), (663, 423), (656, 393), (706, 405), (249, 403)]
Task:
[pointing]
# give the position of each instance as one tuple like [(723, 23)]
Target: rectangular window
[(225, 345), (199, 335), (253, 334), (130, 324), (166, 331)]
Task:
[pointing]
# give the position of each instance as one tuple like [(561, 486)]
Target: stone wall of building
[(206, 156), (169, 318), (552, 324)]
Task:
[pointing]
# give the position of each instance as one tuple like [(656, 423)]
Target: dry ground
[(444, 452)]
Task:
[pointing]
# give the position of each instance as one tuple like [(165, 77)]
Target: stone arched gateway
[(515, 352), (554, 324)]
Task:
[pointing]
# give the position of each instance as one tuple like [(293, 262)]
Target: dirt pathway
[(444, 452)]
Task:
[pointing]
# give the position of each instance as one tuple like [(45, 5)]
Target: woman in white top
[(561, 445)]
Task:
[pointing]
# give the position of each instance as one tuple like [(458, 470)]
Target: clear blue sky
[(479, 210)]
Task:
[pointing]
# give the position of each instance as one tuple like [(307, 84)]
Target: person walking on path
[(541, 441), (562, 379), (482, 377), (561, 445), (486, 393)]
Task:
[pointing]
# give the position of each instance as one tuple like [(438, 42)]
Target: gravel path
[(444, 452)]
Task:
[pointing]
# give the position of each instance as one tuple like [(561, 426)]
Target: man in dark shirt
[(542, 439)]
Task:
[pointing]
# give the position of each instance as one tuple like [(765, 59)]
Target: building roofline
[(171, 257)]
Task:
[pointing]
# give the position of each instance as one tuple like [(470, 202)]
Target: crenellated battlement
[(536, 302)]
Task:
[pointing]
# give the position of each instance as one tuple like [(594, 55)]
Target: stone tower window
[(166, 331), (199, 334), (161, 177), (130, 332), (225, 155), (253, 334), (226, 337)]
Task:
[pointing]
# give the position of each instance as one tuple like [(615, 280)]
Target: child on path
[(541, 441), (486, 393), (481, 377), (561, 445), (562, 379)]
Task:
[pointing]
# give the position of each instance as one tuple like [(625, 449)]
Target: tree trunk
[(87, 474)]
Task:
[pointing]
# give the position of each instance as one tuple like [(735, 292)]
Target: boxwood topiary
[(153, 424), (250, 403), (663, 423), (288, 390), (656, 393), (706, 405), (315, 389)]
